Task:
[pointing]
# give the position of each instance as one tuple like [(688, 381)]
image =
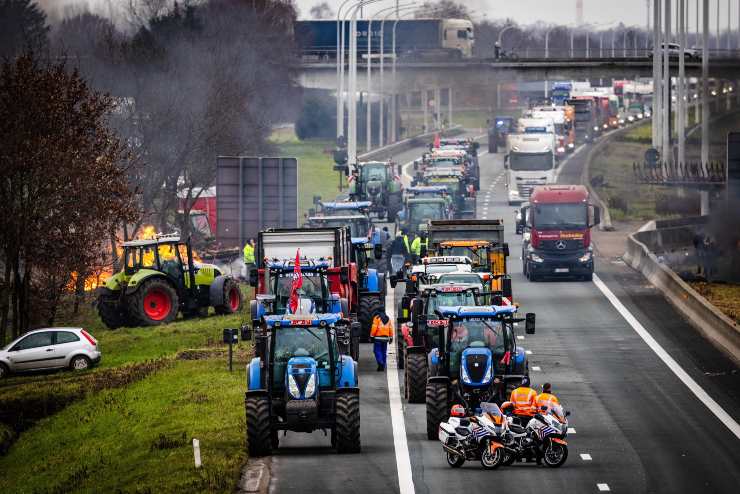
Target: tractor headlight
[(293, 388), (585, 257), (571, 145), (487, 377), (465, 376), (639, 115), (311, 386), (596, 128), (535, 258), (621, 121), (606, 126)]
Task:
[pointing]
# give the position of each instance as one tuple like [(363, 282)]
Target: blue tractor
[(372, 285), (477, 360), (299, 381)]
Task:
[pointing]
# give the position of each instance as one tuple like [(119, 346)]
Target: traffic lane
[(431, 473), (308, 463)]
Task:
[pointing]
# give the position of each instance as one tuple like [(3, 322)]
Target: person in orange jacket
[(546, 398), (382, 334), (524, 400)]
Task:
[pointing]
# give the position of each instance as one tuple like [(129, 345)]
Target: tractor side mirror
[(596, 215), (253, 277), (529, 324), (246, 331), (506, 161), (378, 252), (506, 288)]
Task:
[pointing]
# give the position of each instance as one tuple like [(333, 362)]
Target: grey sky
[(630, 12)]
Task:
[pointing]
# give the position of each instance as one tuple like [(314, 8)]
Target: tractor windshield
[(374, 172), (476, 254), (311, 294), (297, 341), (466, 298), (420, 212)]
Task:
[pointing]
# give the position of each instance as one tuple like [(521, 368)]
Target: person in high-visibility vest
[(524, 400), (382, 334), (420, 245), (249, 257), (546, 398)]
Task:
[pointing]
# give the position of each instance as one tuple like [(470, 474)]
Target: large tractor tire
[(259, 438), (347, 423), (416, 377), (436, 407), (232, 301), (155, 302), (111, 312), (369, 305), (400, 357)]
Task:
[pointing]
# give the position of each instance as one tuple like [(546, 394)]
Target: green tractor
[(160, 279), (377, 182)]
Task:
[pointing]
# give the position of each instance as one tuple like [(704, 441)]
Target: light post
[(501, 35), (657, 109), (394, 10), (681, 130), (340, 69), (547, 41)]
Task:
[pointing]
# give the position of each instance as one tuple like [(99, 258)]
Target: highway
[(637, 427)]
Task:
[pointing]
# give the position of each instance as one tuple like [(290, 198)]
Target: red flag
[(297, 283), (507, 358), (437, 142)]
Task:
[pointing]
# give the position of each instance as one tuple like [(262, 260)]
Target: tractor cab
[(299, 381), (354, 214), (459, 188), (378, 183), (478, 359), (160, 277)]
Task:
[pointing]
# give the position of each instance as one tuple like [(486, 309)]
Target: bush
[(618, 202), (317, 118)]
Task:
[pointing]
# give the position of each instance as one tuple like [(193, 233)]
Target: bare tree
[(322, 11)]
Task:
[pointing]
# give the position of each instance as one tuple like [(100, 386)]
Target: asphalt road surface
[(613, 350)]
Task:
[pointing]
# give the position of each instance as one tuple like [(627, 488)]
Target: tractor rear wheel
[(436, 407), (400, 357), (416, 377), (112, 313), (259, 436), (155, 302), (232, 301), (369, 305), (347, 423)]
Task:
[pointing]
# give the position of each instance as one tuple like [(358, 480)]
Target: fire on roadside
[(148, 232)]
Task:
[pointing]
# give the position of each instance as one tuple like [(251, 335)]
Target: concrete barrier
[(722, 331), (406, 144)]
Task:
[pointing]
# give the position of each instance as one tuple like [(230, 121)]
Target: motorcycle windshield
[(556, 411), (493, 410)]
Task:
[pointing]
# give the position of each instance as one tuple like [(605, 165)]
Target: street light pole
[(681, 130), (657, 79), (667, 86), (547, 41), (340, 69)]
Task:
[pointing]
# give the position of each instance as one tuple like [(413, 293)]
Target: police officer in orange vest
[(524, 401), (546, 398)]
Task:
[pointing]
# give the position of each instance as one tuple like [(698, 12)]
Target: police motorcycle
[(479, 437), (542, 439)]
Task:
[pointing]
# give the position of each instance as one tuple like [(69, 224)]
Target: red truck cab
[(557, 232)]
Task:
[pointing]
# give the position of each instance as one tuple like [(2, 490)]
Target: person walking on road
[(382, 334)]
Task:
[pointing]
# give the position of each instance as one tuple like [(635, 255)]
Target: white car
[(50, 348), (674, 51)]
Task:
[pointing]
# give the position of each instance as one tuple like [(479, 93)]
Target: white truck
[(529, 161)]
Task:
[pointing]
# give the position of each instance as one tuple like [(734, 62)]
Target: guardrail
[(722, 331), (408, 143)]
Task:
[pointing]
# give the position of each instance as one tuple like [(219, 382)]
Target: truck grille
[(525, 188), (569, 245)]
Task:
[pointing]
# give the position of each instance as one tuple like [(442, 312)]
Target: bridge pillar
[(449, 106)]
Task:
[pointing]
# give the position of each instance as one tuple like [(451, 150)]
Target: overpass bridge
[(419, 75)]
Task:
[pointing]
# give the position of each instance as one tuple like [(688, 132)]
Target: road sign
[(652, 157), (252, 194)]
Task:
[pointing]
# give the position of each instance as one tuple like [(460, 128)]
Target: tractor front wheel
[(369, 306), (436, 407), (416, 377), (232, 300), (347, 423), (259, 437), (155, 302), (111, 312)]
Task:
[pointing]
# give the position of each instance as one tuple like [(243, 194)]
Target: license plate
[(562, 270)]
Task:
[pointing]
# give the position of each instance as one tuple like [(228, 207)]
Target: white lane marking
[(571, 430), (528, 352), (535, 368), (519, 337), (586, 457), (698, 391), (400, 445), (603, 487)]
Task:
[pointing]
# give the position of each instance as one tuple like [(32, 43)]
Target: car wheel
[(80, 363), (4, 371)]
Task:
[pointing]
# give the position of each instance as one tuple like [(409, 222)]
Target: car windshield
[(299, 341), (311, 289), (441, 268), (421, 212), (444, 162), (477, 255), (374, 172), (560, 216), (450, 299), (459, 278), (530, 162)]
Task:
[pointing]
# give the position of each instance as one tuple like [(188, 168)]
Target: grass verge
[(139, 438), (726, 297)]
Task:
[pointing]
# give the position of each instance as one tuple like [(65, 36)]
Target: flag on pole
[(297, 283), (437, 142), (507, 358)]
